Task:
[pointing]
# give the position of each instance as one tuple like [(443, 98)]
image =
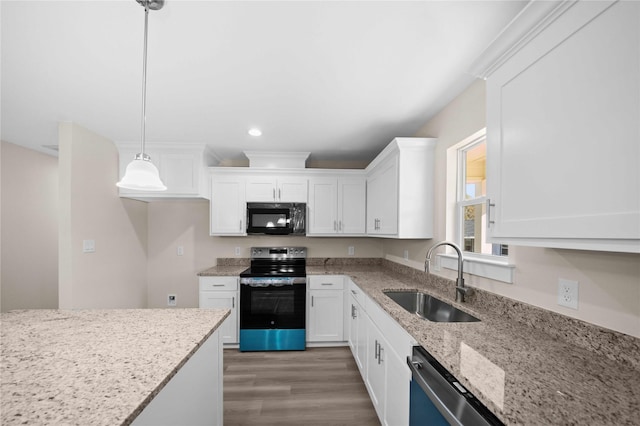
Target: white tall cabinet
[(563, 127)]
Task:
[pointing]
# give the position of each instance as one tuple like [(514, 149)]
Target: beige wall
[(609, 293), (29, 247), (186, 223), (115, 275)]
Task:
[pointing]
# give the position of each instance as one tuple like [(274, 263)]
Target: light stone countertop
[(94, 367), (527, 371), (524, 375)]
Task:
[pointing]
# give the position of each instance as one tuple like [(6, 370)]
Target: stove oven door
[(272, 317)]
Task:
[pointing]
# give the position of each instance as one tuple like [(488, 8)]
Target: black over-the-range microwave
[(276, 218)]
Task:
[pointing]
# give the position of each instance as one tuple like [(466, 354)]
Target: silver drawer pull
[(218, 285), (326, 284)]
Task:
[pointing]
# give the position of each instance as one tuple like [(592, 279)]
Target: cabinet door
[(292, 190), (325, 316), (358, 335), (376, 356), (398, 378), (352, 209), (382, 198), (224, 300), (261, 189), (562, 133), (322, 206), (227, 206), (180, 172)]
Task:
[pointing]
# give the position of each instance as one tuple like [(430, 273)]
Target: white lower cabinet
[(380, 347), (357, 327), (222, 292), (325, 307)]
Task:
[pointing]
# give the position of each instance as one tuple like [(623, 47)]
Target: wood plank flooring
[(319, 386)]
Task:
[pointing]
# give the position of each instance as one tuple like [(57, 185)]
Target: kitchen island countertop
[(94, 367)]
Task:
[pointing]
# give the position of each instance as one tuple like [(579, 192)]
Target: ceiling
[(336, 78)]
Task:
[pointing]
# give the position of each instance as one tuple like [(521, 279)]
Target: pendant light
[(141, 174)]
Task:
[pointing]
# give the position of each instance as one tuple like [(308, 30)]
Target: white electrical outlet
[(180, 250), (172, 300), (88, 246), (406, 255), (237, 251), (568, 293), (351, 250)]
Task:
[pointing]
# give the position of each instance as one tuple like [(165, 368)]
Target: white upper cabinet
[(400, 190), (228, 206), (563, 127), (337, 205), (182, 169), (272, 188)]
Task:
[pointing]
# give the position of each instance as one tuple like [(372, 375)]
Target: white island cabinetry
[(194, 396), (563, 132)]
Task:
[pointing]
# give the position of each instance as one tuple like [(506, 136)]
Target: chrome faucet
[(461, 290)]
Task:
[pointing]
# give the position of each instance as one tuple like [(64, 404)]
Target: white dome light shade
[(141, 175)]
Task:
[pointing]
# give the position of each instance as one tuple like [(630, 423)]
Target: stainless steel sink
[(428, 307)]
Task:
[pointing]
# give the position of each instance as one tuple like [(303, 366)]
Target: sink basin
[(428, 307)]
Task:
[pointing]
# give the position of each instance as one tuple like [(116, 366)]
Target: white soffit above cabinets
[(337, 79)]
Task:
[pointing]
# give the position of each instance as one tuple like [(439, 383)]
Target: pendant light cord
[(144, 76)]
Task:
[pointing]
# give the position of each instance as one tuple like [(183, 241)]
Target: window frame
[(490, 266)]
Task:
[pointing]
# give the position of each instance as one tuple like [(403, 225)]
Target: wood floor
[(319, 386)]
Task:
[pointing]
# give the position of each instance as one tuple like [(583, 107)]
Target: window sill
[(487, 268)]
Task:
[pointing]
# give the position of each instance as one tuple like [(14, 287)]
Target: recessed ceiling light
[(255, 132)]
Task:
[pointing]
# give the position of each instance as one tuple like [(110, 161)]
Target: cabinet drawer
[(357, 293), (326, 282), (218, 283)]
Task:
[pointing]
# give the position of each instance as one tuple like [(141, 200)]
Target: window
[(466, 196), (471, 200)]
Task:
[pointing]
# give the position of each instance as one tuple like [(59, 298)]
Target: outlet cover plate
[(172, 300), (568, 293)]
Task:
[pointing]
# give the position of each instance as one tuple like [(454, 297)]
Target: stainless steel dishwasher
[(437, 398)]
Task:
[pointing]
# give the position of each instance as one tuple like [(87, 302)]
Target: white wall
[(186, 223), (29, 239), (115, 275), (609, 293)]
